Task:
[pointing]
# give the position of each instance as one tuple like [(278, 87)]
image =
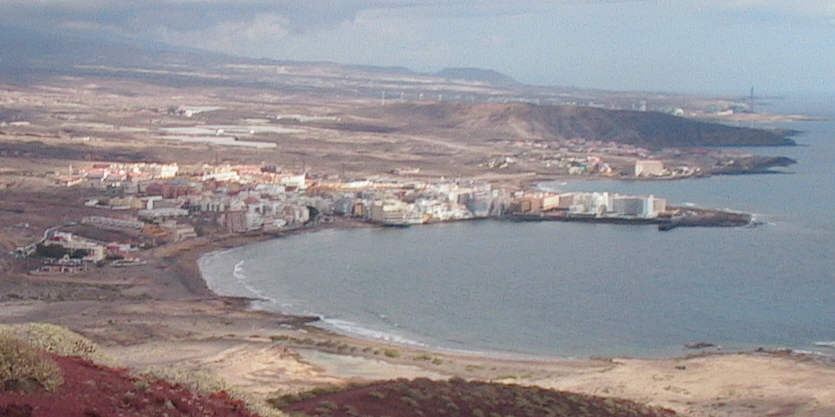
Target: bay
[(576, 290)]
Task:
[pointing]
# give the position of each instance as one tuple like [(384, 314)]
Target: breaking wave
[(351, 328), (238, 273)]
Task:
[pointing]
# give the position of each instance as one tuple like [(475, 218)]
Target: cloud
[(311, 28), (212, 24), (149, 18), (233, 36), (186, 14), (796, 8), (301, 15)]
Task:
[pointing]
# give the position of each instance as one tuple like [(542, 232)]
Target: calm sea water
[(577, 290)]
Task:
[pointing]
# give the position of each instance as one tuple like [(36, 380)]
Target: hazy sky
[(672, 45)]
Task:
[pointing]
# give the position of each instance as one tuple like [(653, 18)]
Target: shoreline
[(319, 321), (727, 381), (315, 320), (188, 260)]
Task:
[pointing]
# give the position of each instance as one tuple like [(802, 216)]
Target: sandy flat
[(723, 385), (366, 369)]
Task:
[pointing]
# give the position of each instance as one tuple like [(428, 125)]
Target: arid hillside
[(457, 397), (529, 121)]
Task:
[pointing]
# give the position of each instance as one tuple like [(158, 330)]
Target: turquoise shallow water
[(568, 289)]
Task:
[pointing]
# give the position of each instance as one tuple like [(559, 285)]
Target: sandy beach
[(162, 315)]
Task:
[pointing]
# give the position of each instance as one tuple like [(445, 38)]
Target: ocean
[(579, 290)]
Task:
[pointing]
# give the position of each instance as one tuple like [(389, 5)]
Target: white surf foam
[(352, 328), (238, 273)]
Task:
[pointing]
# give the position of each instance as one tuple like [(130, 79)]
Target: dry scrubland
[(323, 374), (46, 370), (457, 397)]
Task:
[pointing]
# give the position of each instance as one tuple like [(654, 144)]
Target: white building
[(220, 174), (112, 223), (395, 212), (271, 190), (591, 203), (164, 170), (649, 168), (254, 221), (161, 214), (297, 181)]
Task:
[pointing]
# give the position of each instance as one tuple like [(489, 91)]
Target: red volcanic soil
[(425, 398), (90, 390)]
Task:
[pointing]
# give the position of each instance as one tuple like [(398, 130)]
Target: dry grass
[(25, 367), (57, 340), (32, 339), (207, 383), (24, 363)]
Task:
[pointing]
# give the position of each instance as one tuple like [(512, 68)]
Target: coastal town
[(150, 204)]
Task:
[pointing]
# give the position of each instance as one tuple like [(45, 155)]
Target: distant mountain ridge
[(23, 48)]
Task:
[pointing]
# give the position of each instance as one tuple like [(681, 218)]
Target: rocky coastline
[(684, 217)]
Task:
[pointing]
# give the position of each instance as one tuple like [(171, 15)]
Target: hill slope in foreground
[(90, 390), (48, 371), (457, 397), (521, 120)]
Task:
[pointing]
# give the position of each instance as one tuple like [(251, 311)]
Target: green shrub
[(22, 364), (377, 395), (391, 353), (199, 381), (411, 402), (329, 405), (328, 389), (206, 383), (283, 401)]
